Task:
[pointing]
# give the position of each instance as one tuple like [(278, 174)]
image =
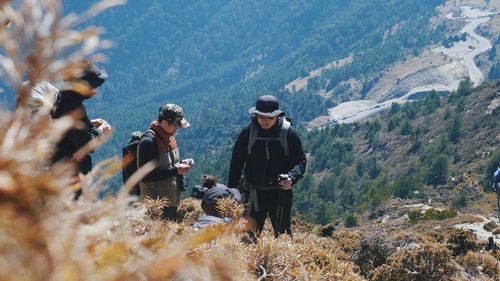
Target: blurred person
[(269, 155), (208, 181), (159, 144), (71, 103), (212, 214), (496, 187)]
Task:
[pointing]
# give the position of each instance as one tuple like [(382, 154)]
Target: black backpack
[(282, 138), (128, 169)]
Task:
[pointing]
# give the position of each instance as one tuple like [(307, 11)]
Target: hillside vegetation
[(442, 148), (216, 59), (46, 235)]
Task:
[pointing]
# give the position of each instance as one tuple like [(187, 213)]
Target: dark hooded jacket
[(258, 168), (78, 137), (75, 138)]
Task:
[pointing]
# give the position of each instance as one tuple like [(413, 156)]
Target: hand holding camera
[(188, 161), (184, 166), (285, 181)]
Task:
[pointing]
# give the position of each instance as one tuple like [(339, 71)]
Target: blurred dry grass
[(45, 235)]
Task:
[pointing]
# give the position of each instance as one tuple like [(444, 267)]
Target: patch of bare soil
[(301, 83)]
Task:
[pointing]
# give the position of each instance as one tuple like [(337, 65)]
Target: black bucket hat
[(173, 113), (266, 105), (94, 76)]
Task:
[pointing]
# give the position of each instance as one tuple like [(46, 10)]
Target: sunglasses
[(264, 117)]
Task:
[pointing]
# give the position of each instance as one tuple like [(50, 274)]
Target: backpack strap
[(285, 126), (252, 137), (283, 136), (152, 133)]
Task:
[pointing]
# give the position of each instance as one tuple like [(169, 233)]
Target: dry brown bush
[(477, 264), (428, 261), (459, 241), (302, 257), (229, 208), (373, 250), (348, 240), (496, 231), (189, 211)]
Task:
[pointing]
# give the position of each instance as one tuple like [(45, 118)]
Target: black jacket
[(258, 169), (75, 138), (148, 151)]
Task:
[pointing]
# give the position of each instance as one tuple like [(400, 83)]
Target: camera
[(283, 177), (188, 161)]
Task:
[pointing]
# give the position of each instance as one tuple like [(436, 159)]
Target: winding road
[(462, 54)]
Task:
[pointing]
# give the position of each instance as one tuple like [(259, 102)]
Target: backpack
[(128, 169), (43, 97), (283, 135)]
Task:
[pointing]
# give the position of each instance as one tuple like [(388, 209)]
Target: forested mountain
[(214, 58), (442, 149)]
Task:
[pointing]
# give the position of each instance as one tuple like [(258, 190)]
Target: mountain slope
[(442, 149), (216, 59)]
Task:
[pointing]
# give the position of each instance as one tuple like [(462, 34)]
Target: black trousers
[(278, 205)]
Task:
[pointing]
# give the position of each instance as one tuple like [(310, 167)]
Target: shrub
[(189, 211), (460, 201), (460, 241), (303, 257), (496, 231), (350, 221), (347, 240), (490, 226), (430, 214), (430, 262), (481, 263), (372, 251)]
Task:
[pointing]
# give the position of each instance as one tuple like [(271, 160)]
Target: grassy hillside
[(441, 148)]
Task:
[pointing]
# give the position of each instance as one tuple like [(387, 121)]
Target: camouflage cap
[(173, 113)]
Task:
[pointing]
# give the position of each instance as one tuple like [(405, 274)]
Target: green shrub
[(460, 201), (431, 214), (350, 221)]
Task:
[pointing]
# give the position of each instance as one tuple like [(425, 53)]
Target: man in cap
[(269, 154), (70, 103), (158, 144)]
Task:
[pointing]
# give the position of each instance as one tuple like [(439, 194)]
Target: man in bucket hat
[(269, 154), (158, 144)]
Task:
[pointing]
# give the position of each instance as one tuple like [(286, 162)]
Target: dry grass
[(481, 265), (303, 257), (45, 235)]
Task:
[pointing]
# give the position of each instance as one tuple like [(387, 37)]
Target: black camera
[(283, 177)]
